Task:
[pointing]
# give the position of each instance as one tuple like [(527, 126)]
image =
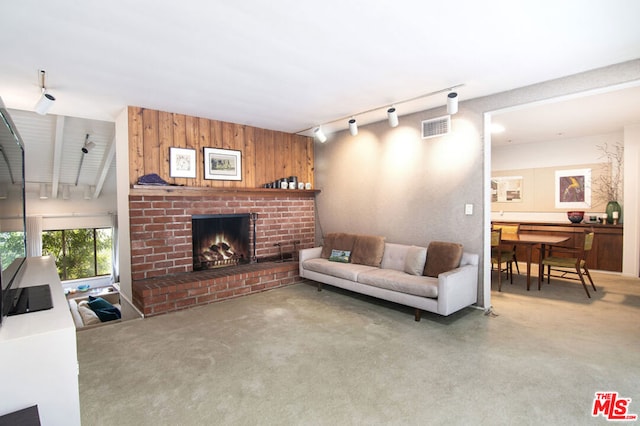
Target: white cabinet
[(38, 357)]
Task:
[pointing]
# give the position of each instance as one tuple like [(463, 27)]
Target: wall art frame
[(182, 162), (506, 189), (573, 189), (222, 164)]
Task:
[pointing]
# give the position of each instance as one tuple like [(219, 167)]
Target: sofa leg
[(418, 313), (319, 285)]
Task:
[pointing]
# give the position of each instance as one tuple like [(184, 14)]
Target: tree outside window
[(79, 253)]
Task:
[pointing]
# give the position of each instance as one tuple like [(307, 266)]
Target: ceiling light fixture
[(66, 192), (353, 127), (392, 116), (320, 134), (46, 99), (88, 145), (452, 103)]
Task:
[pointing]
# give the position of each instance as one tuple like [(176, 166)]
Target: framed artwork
[(222, 164), (573, 188), (182, 162), (506, 189)]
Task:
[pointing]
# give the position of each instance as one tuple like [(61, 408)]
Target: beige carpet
[(294, 356)]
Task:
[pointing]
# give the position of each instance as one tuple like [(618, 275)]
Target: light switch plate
[(468, 209)]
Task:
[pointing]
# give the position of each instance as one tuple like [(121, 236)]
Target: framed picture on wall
[(222, 164), (182, 162), (573, 188), (506, 189)]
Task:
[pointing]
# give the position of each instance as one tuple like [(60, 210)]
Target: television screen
[(12, 205)]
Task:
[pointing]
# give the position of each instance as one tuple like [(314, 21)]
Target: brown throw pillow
[(337, 241), (442, 257), (368, 250)]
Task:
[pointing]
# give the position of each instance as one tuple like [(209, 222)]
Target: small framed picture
[(573, 188), (182, 162), (222, 164)]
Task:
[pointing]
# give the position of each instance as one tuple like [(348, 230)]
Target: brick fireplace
[(163, 278)]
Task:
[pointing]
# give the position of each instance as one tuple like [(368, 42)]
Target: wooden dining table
[(530, 240)]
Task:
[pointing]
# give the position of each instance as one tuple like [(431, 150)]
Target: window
[(79, 253)]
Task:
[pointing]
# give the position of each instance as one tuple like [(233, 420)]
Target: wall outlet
[(468, 209)]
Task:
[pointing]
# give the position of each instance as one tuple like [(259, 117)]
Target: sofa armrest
[(458, 288), (309, 253)]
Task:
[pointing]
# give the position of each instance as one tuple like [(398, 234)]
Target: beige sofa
[(440, 278)]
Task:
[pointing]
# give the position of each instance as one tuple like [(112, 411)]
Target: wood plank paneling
[(267, 155)]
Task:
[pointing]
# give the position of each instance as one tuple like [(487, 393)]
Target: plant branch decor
[(608, 187)]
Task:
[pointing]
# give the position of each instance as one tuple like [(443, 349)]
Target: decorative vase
[(613, 206)]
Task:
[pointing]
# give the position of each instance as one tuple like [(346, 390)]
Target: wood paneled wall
[(267, 155)]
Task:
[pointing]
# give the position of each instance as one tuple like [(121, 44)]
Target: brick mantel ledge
[(160, 295)]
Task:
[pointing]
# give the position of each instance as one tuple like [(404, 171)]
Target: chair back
[(588, 240), (496, 236), (508, 229)]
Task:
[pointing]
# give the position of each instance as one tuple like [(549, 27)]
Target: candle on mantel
[(614, 215)]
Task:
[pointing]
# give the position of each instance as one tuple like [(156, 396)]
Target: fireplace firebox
[(220, 240)]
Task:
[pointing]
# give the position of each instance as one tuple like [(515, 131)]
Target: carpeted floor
[(293, 356)]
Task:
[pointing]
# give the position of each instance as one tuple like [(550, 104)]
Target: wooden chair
[(510, 229), (500, 256), (571, 261)]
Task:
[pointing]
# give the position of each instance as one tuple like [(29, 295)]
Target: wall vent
[(436, 127)]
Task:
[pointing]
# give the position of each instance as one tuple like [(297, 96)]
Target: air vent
[(436, 127)]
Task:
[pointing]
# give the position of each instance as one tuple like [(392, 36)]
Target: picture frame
[(573, 189), (182, 162), (222, 164), (506, 189)]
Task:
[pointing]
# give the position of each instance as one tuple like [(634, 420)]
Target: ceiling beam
[(57, 155), (108, 158)]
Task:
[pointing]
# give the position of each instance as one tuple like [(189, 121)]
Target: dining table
[(530, 240)]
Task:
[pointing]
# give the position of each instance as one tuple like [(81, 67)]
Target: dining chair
[(571, 261), (500, 256), (510, 229)]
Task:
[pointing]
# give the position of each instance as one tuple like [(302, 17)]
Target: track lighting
[(88, 192), (353, 127), (393, 117), (46, 99), (66, 192), (88, 145), (319, 134), (452, 103)]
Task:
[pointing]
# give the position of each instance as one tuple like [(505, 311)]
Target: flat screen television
[(12, 210)]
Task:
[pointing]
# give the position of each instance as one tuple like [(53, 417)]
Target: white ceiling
[(290, 65)]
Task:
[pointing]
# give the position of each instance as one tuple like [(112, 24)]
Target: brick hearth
[(162, 273), (160, 295)]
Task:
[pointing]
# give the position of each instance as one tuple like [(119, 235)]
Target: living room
[(384, 181)]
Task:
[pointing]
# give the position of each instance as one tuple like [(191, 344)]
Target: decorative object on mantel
[(575, 216), (608, 188), (151, 179)]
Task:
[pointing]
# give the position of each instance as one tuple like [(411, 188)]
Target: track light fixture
[(319, 134), (392, 116), (88, 145), (353, 127), (452, 103), (46, 99)]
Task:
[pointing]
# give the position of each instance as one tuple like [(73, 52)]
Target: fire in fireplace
[(220, 240)]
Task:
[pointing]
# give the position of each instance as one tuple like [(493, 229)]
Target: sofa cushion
[(348, 271), (86, 313), (391, 279), (394, 256), (415, 260), (337, 241), (442, 257), (368, 250)]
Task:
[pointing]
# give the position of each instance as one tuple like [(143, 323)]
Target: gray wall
[(391, 182)]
